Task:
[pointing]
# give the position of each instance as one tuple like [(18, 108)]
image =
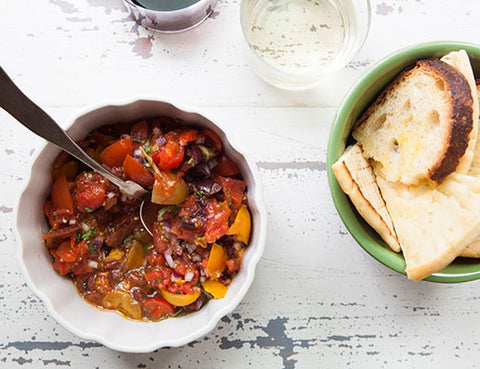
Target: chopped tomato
[(170, 155), (188, 135), (49, 212), (159, 277), (234, 190), (225, 166), (90, 197), (233, 265), (217, 220), (140, 130), (159, 239), (66, 253), (212, 139), (157, 308), (114, 154), (61, 197), (155, 258), (135, 171)]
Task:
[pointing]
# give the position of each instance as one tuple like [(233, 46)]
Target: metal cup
[(174, 20)]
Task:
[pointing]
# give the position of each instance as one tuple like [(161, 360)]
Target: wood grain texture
[(318, 299)]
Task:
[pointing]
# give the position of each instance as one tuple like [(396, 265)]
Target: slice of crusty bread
[(421, 125), (355, 176), (433, 224)]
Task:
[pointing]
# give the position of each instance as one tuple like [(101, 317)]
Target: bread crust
[(461, 121), (462, 118)]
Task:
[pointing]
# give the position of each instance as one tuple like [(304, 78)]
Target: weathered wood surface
[(318, 300)]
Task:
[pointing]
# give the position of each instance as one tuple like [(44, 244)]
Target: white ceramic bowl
[(59, 293)]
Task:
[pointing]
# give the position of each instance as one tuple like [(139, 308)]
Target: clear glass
[(292, 43)]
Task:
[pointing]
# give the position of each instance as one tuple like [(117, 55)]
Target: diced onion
[(92, 264), (137, 152), (110, 195), (85, 227), (196, 257), (203, 279), (169, 259), (188, 276), (72, 221)]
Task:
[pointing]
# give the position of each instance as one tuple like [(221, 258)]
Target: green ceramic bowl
[(357, 99)]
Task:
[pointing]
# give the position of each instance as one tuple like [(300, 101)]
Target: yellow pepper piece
[(115, 254), (134, 256), (168, 189), (123, 302), (70, 169), (216, 289), (216, 261), (241, 226), (180, 300)]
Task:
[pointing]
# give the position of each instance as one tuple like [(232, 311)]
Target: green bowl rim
[(340, 199)]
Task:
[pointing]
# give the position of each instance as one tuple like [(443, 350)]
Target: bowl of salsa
[(101, 273)]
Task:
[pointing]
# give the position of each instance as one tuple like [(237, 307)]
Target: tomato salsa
[(202, 229)]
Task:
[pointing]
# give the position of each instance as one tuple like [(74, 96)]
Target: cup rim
[(318, 73)]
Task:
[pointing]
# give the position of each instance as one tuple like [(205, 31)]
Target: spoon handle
[(38, 121)]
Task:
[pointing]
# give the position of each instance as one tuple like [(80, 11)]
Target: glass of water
[(292, 43)]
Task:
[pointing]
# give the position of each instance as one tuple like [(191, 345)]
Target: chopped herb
[(88, 210), (147, 147), (177, 313), (165, 210), (127, 240), (187, 245), (208, 153), (160, 280), (88, 235), (200, 194), (147, 165), (178, 293), (209, 296), (92, 248), (85, 286), (212, 190), (79, 236), (191, 162)]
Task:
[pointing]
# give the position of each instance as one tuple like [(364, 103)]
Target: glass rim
[(320, 72)]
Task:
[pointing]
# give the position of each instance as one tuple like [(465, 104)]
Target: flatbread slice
[(433, 224), (355, 176)]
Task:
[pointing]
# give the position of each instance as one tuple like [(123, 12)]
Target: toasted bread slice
[(421, 126), (433, 224), (355, 176)]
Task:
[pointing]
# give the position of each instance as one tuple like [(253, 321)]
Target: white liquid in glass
[(295, 36)]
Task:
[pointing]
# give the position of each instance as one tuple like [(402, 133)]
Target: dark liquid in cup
[(165, 5)]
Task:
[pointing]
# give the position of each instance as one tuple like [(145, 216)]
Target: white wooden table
[(318, 299)]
